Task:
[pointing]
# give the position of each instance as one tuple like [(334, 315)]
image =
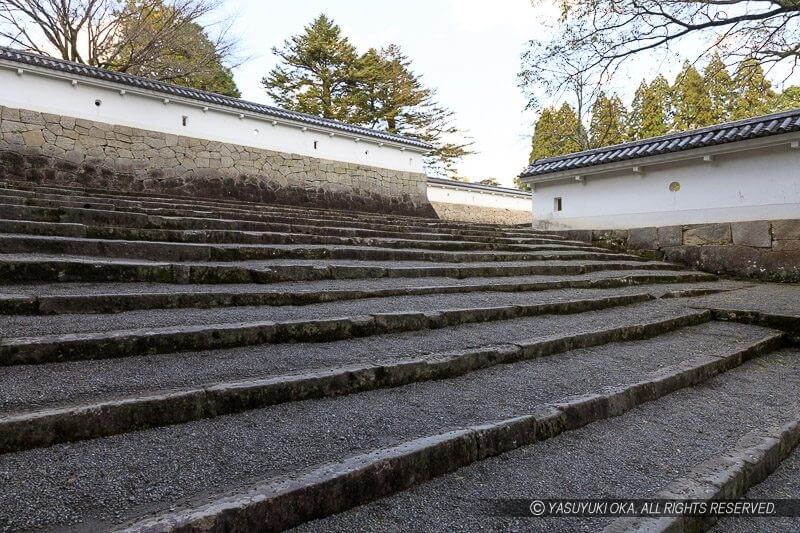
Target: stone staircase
[(188, 364)]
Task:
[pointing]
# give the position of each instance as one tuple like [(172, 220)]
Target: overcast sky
[(467, 49)]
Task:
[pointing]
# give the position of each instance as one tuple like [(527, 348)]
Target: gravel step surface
[(172, 251), (26, 268), (781, 299), (264, 237), (634, 455), (65, 289), (29, 326), (66, 382), (108, 480)]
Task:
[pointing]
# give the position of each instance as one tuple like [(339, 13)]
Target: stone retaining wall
[(49, 148), (761, 249), (474, 213)]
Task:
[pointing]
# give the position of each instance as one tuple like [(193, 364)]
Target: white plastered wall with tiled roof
[(43, 90), (746, 182)]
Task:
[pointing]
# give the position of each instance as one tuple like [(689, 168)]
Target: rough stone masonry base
[(54, 149), (762, 249)]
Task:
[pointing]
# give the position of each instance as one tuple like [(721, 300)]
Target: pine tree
[(721, 89), (691, 100), (317, 72), (754, 91), (388, 95), (608, 120)]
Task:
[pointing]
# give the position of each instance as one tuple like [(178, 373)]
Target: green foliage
[(322, 74), (607, 125), (691, 100), (557, 132), (721, 89), (650, 110), (754, 94), (317, 73)]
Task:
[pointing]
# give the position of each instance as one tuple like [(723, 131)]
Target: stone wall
[(48, 148), (762, 249), (474, 213)]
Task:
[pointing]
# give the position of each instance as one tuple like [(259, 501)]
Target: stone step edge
[(787, 323), (107, 218), (280, 504), (6, 207), (216, 203), (182, 251), (128, 343), (232, 236), (117, 303), (45, 427), (50, 268), (727, 477)]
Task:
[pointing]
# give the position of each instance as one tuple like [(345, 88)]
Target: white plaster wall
[(438, 193), (39, 92), (760, 184)]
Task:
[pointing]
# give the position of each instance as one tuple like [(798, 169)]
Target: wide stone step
[(410, 225), (26, 268), (107, 379), (59, 229), (172, 205), (198, 331), (140, 199), (183, 461), (98, 419), (73, 215), (171, 251), (87, 298), (632, 456)]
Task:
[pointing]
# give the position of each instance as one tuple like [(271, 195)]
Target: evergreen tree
[(557, 132), (608, 120), (544, 142), (388, 95), (691, 100), (754, 92), (650, 110), (317, 72), (721, 89)]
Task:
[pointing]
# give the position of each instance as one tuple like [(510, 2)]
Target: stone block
[(643, 239), (670, 236), (786, 229), (755, 233), (684, 255), (709, 234), (742, 261), (33, 138), (781, 266), (786, 246)]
